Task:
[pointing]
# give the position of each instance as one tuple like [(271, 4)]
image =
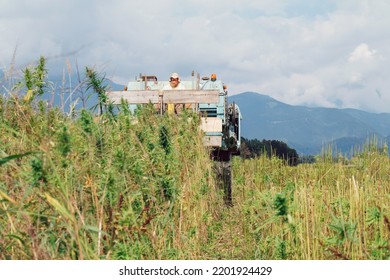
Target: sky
[(324, 53)]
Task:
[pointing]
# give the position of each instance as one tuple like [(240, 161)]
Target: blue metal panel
[(214, 110), (213, 133)]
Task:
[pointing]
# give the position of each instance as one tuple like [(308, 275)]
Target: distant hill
[(306, 129)]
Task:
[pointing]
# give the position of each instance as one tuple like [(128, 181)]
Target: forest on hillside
[(251, 148)]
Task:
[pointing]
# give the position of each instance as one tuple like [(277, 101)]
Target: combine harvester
[(206, 96)]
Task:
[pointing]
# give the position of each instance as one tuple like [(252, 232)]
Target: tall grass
[(99, 188), (326, 210), (142, 186)]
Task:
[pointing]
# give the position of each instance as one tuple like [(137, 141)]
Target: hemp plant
[(97, 84), (34, 80)]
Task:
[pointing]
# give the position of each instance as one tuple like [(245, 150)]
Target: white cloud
[(362, 53)]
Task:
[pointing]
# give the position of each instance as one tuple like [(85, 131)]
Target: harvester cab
[(207, 96)]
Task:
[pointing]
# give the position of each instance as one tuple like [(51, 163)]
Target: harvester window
[(149, 78)]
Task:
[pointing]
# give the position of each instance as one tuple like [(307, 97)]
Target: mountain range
[(306, 129)]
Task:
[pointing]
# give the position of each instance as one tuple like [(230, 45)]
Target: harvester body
[(220, 121)]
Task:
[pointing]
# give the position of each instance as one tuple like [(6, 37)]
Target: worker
[(174, 84)]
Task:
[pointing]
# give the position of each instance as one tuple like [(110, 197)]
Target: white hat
[(175, 76)]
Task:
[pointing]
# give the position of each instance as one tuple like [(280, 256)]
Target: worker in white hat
[(174, 84)]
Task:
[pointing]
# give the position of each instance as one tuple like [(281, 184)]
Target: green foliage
[(38, 174), (86, 121), (34, 80), (9, 158), (281, 250), (164, 140), (98, 84), (253, 148), (280, 204), (343, 232), (64, 145)]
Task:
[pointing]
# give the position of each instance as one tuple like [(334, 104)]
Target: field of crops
[(142, 187), (326, 210), (94, 184)]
